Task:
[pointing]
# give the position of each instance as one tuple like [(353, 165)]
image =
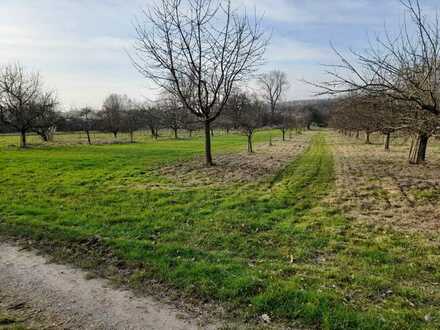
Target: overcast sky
[(80, 46)]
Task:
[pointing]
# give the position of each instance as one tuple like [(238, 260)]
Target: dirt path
[(60, 297)]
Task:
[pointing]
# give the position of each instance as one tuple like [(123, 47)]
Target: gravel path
[(63, 297)]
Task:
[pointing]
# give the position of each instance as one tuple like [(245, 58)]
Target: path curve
[(77, 303)]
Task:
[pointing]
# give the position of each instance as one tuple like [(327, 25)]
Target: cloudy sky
[(80, 46)]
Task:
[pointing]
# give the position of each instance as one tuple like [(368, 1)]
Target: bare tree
[(46, 125), (250, 117), (172, 112), (274, 84), (88, 120), (190, 123), (132, 120), (151, 117), (405, 68), (22, 99), (112, 112), (198, 50), (285, 119)]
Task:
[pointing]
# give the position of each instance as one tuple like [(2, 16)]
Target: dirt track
[(60, 297)]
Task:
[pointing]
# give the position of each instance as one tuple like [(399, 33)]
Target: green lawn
[(270, 247)]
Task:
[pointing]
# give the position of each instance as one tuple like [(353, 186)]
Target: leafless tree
[(46, 125), (244, 112), (250, 118), (198, 50), (111, 115), (230, 118), (152, 118), (22, 99), (273, 84), (172, 112), (285, 119), (132, 121), (87, 116), (405, 68)]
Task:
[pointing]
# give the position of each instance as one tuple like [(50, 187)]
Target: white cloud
[(80, 46), (283, 49)]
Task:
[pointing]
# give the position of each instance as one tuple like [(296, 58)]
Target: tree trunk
[(387, 141), (115, 134), (249, 138), (418, 149), (284, 134), (208, 151), (23, 143), (88, 137), (272, 112), (176, 134), (270, 141), (131, 137), (190, 133), (212, 132), (367, 140), (357, 134)]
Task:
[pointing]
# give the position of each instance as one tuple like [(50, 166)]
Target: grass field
[(273, 246), (11, 320), (9, 323)]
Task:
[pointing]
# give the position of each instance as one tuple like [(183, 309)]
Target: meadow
[(284, 245)]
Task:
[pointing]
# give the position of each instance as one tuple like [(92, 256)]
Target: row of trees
[(244, 112), (394, 85), (25, 109), (199, 52), (362, 113)]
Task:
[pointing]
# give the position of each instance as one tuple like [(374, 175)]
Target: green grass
[(270, 247), (9, 323)]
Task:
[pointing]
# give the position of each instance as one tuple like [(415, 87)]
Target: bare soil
[(41, 295), (382, 188)]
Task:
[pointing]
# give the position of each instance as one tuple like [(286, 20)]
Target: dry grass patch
[(381, 188), (237, 167)]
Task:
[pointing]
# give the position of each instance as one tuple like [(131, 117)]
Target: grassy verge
[(8, 322), (262, 248)]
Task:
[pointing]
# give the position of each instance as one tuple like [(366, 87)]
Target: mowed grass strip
[(262, 248)]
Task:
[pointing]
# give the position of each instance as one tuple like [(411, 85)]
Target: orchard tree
[(198, 50), (151, 118), (88, 121), (132, 121), (236, 103), (404, 68), (273, 85), (46, 125), (284, 119), (22, 100), (111, 115), (357, 113), (172, 113), (189, 123), (250, 118)]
